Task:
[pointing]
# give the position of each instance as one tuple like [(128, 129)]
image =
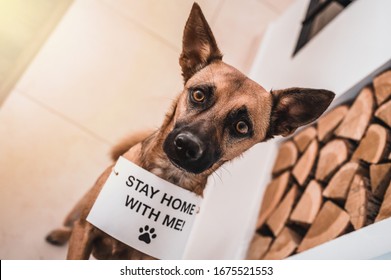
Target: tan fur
[(230, 97)]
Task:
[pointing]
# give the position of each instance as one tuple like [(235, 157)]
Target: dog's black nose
[(188, 146)]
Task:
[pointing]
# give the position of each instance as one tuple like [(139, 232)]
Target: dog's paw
[(147, 234), (59, 237)]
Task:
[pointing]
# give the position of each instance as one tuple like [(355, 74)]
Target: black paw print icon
[(147, 234)]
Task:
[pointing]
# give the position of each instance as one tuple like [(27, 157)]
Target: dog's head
[(221, 113)]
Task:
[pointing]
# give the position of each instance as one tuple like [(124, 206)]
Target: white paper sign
[(144, 211)]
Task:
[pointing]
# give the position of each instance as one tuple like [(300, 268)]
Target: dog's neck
[(149, 155)]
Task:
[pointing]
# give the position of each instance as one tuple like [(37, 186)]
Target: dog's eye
[(242, 127), (198, 96)]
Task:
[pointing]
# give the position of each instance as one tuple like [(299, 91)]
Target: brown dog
[(219, 114)]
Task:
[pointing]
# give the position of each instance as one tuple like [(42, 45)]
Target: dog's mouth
[(188, 152), (193, 169), (177, 164)]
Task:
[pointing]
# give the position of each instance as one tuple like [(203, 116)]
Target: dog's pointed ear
[(199, 47), (295, 107)]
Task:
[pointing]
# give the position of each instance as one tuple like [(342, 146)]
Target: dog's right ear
[(199, 47)]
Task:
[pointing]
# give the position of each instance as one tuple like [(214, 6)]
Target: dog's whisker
[(213, 176), (226, 169), (218, 175)]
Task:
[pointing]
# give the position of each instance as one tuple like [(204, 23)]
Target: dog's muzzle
[(190, 152)]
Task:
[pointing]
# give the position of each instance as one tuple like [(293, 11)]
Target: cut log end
[(286, 158), (279, 217), (258, 247), (272, 196), (380, 175), (304, 166), (283, 246), (309, 204), (339, 184), (383, 113), (356, 121), (331, 157), (374, 146), (327, 123), (385, 209), (382, 85), (328, 224), (304, 138), (360, 203)]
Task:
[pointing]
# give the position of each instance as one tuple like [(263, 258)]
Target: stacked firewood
[(329, 179)]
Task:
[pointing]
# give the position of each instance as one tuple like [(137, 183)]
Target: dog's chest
[(108, 248)]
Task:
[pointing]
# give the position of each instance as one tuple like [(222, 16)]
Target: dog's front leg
[(83, 233), (81, 241)]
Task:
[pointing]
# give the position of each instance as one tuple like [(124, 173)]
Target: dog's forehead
[(227, 81), (231, 85)]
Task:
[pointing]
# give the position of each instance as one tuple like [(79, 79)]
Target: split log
[(374, 145), (304, 138), (380, 175), (384, 113), (258, 247), (284, 245), (272, 196), (331, 157), (304, 166), (360, 204), (338, 187), (309, 204), (382, 85), (328, 122), (286, 158), (279, 217), (385, 209), (356, 121), (328, 224)]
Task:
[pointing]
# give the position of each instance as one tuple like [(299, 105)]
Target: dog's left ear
[(199, 47), (295, 107)]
